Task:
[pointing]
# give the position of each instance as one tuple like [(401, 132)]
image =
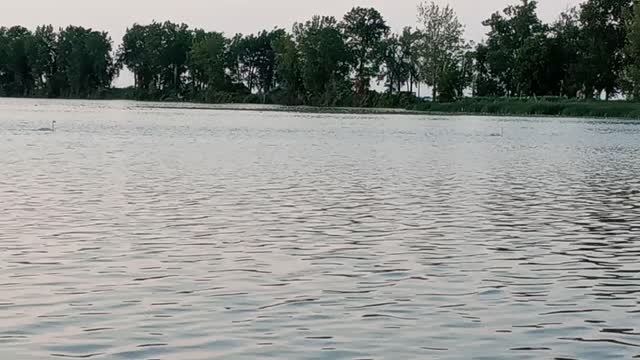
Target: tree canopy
[(70, 62), (590, 51), (364, 31)]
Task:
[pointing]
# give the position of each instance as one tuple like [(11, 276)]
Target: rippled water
[(136, 232)]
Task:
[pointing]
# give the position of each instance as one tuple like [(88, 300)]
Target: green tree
[(157, 54), (85, 66), (364, 30), (440, 42), (632, 51), (533, 76), (232, 61), (248, 60), (43, 59), (4, 66), (603, 41), (266, 64), (177, 40), (408, 47), (457, 76), (486, 82), (566, 53), (17, 75), (325, 61), (399, 68), (517, 50), (140, 52), (392, 72), (289, 68), (207, 61)]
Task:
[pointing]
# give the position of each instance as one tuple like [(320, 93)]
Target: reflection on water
[(136, 232)]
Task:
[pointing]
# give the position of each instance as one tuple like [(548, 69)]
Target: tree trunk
[(411, 84), (435, 88), (360, 80), (175, 76)]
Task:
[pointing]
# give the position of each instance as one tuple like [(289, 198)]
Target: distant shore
[(474, 106), (502, 107), (389, 111)]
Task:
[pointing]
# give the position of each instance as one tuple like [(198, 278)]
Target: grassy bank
[(530, 107), (407, 103), (403, 103), (381, 104)]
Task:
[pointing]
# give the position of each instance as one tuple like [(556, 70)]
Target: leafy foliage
[(631, 75), (324, 60), (72, 62), (440, 42), (364, 30), (603, 36), (589, 50)]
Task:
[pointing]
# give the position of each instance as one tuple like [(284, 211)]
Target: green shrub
[(547, 106)]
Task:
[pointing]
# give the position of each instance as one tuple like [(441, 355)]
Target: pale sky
[(244, 16)]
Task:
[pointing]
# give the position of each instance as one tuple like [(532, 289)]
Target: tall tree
[(486, 81), (566, 53), (177, 40), (252, 60), (140, 52), (248, 60), (267, 59), (632, 50), (289, 68), (43, 55), (18, 77), (364, 30), (457, 76), (603, 38), (399, 68), (408, 45), (324, 58), (232, 61), (84, 63), (440, 41), (392, 71), (516, 49), (157, 54), (4, 66), (207, 61)]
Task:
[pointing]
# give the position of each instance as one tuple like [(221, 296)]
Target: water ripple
[(164, 233)]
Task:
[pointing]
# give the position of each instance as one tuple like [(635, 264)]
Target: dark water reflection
[(136, 232)]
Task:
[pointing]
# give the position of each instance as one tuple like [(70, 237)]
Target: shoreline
[(307, 109), (358, 110)]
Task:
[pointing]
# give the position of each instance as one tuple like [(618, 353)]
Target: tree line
[(590, 51), (70, 62)]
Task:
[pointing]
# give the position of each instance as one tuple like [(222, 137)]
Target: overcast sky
[(244, 16)]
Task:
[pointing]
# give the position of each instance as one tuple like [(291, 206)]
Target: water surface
[(142, 232)]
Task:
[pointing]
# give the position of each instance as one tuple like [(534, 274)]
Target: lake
[(139, 231)]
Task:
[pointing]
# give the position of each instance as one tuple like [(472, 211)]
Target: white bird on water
[(51, 129)]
